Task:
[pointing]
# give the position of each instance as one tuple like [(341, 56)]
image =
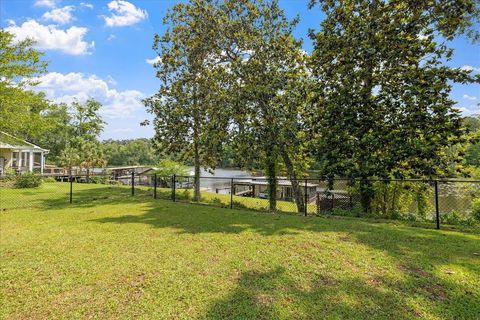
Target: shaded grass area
[(54, 194), (115, 256)]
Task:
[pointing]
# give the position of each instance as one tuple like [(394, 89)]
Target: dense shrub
[(99, 179), (8, 176), (49, 180), (455, 217), (399, 200), (354, 212), (476, 209), (28, 180)]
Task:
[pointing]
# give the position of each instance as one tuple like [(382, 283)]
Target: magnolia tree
[(190, 122), (267, 98), (381, 103)]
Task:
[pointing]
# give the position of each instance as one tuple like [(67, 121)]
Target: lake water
[(220, 173), (216, 184)]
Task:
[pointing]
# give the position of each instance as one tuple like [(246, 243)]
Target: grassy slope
[(123, 257)]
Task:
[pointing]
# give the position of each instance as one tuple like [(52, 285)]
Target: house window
[(37, 159), (25, 159), (288, 192), (14, 159)]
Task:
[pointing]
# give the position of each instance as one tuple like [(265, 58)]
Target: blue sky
[(100, 49)]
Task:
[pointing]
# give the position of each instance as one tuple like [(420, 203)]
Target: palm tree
[(91, 156), (69, 158)]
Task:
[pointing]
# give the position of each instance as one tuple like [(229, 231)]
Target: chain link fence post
[(71, 189), (232, 191), (155, 186), (437, 211), (306, 198), (133, 183), (174, 182)]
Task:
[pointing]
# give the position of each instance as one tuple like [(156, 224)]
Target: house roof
[(129, 167), (280, 182), (7, 141)]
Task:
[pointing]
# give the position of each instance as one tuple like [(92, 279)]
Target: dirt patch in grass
[(265, 299), (436, 292), (136, 287), (417, 272)]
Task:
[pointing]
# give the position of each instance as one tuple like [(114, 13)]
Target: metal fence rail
[(436, 201)]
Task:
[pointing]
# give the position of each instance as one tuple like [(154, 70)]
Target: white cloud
[(50, 37), (111, 81), (467, 97), (470, 68), (67, 87), (86, 5), (153, 60), (60, 15), (45, 3), (124, 13), (470, 110), (111, 37)]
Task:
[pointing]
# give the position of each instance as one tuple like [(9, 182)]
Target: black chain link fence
[(435, 201)]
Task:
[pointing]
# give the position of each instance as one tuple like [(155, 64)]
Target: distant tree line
[(130, 152)]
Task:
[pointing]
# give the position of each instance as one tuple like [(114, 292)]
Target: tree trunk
[(197, 175), (88, 174), (196, 130), (292, 175), (272, 178), (366, 195), (196, 163)]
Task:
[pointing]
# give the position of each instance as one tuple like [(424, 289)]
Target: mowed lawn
[(114, 256)]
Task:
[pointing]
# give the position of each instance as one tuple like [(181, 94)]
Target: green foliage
[(28, 180), (86, 121), (90, 155), (476, 209), (456, 218), (129, 152), (399, 200), (263, 73), (59, 133), (472, 147), (381, 103), (99, 179), (49, 180), (79, 144), (8, 178), (69, 157), (23, 112), (345, 213), (188, 121), (167, 168)]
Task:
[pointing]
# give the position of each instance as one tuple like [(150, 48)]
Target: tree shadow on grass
[(419, 255), (91, 195), (198, 218), (274, 294), (402, 242)]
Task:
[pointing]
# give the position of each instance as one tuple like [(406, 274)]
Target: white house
[(20, 155)]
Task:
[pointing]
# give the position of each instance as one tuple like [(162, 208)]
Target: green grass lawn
[(114, 256)]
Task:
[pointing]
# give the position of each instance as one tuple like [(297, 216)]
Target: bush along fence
[(434, 201)]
